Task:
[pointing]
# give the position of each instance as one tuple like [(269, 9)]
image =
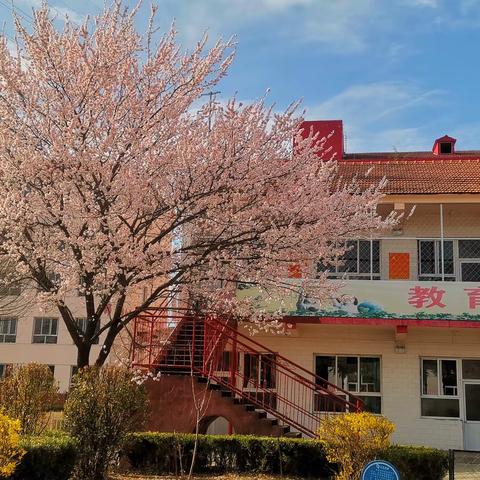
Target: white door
[(471, 392)]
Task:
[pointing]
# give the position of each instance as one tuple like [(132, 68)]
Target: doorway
[(471, 395)]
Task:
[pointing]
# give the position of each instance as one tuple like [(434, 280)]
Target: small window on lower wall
[(439, 389), (356, 374)]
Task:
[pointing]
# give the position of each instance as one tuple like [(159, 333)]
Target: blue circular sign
[(380, 470)]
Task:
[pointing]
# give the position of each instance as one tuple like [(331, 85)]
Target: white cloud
[(342, 25), (423, 3), (377, 107)]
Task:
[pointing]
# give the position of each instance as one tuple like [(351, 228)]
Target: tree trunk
[(83, 355)]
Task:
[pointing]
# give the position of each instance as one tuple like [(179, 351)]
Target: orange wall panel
[(399, 266)]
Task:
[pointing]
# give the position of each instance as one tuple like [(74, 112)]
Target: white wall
[(63, 354), (400, 371)]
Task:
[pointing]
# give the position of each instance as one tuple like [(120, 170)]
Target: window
[(429, 260), (469, 259), (356, 374), (445, 147), (471, 369), (360, 262), (82, 325), (259, 370), (8, 330), (439, 390), (461, 260), (45, 330)]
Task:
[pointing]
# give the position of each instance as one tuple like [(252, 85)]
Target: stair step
[(292, 435)]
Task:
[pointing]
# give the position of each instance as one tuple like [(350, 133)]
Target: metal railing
[(464, 465), (251, 372)]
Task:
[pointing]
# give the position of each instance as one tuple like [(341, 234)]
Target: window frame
[(442, 396), (84, 320), (270, 384), (357, 392), (456, 276), (45, 335), (11, 321), (334, 268), (436, 260)]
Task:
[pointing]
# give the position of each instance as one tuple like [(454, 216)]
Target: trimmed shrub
[(28, 393), (11, 451), (48, 457), (417, 463), (353, 439), (168, 453), (104, 404), (163, 453), (52, 456)]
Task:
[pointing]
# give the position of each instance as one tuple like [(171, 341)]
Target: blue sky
[(398, 72)]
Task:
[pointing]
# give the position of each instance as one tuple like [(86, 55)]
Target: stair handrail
[(265, 349), (297, 414)]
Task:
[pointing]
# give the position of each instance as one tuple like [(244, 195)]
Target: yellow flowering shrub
[(353, 439), (10, 450)]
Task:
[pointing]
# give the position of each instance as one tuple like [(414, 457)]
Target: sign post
[(380, 470)]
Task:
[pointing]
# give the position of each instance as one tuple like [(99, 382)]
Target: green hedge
[(170, 453), (418, 463), (48, 457), (52, 456), (163, 453)]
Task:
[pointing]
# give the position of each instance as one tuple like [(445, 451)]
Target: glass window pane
[(54, 326), (45, 326), (38, 326), (364, 256), (38, 339), (429, 377), (440, 407), (372, 404), (469, 248), (449, 377), (470, 272), (472, 402), (369, 374), (250, 370), (376, 256), (267, 371), (348, 373), (448, 257), (325, 368), (349, 261), (427, 257), (471, 369)]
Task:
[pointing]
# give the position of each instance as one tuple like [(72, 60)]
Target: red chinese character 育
[(424, 297), (473, 297)]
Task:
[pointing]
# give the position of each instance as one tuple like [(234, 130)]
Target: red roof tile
[(416, 172)]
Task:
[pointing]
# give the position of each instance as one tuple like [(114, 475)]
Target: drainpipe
[(441, 244)]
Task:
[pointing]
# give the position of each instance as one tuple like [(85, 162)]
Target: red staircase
[(177, 342)]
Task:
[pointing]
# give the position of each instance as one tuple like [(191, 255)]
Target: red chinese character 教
[(424, 297)]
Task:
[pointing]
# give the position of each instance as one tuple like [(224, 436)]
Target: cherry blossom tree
[(120, 175)]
